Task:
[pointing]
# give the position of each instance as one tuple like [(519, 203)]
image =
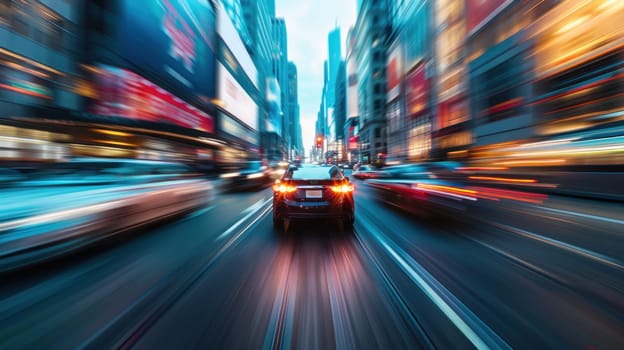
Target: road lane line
[(160, 297), (468, 323), (250, 212), (583, 215), (562, 245)]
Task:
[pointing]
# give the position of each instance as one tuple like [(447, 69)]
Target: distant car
[(347, 165), (254, 174), (364, 172), (278, 169), (424, 188), (313, 192)]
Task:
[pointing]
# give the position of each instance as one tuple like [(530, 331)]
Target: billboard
[(234, 99), (353, 134), (172, 41), (416, 91), (479, 12), (228, 32), (394, 70), (122, 93)]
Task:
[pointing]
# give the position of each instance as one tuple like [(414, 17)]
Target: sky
[(307, 25)]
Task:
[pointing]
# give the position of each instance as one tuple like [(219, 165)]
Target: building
[(371, 36), (333, 62), (258, 19), (39, 74), (351, 126), (340, 111), (238, 92), (280, 71), (294, 129)]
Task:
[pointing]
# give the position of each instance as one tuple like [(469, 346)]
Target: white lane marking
[(562, 245), (250, 212), (587, 216), (448, 303)]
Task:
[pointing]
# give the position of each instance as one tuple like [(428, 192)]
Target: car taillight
[(342, 188), (282, 188)]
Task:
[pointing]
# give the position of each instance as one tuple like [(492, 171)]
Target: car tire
[(278, 225), (348, 223)]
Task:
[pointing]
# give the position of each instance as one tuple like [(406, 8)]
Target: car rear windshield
[(314, 173)]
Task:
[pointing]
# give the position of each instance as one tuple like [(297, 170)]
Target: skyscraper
[(370, 56), (280, 71), (335, 57), (293, 109)]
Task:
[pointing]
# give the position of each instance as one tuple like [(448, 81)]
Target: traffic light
[(319, 142)]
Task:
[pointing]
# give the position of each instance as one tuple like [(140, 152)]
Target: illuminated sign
[(479, 12), (123, 93), (416, 91), (234, 99), (394, 71)]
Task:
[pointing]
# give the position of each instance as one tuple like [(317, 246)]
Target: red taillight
[(283, 188), (342, 188)]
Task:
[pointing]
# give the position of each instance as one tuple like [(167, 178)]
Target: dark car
[(254, 174), (364, 172), (313, 192)]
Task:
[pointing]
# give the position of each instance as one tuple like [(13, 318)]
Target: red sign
[(452, 111), (416, 91), (393, 73), (479, 10), (123, 93)]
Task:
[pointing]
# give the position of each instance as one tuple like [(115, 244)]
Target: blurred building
[(351, 125), (238, 92), (371, 32), (294, 128), (334, 52), (280, 71), (500, 70), (334, 119), (395, 114), (258, 19), (547, 83), (340, 111), (451, 129), (149, 94), (39, 76)]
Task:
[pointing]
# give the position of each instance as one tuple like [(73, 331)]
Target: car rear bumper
[(315, 210)]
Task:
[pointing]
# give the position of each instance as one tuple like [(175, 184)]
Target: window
[(377, 132), (314, 173)]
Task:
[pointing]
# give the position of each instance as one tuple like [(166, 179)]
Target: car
[(278, 169), (64, 206), (313, 192), (364, 172), (254, 174)]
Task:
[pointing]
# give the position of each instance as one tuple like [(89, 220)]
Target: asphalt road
[(507, 275)]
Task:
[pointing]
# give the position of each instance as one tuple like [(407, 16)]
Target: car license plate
[(314, 194)]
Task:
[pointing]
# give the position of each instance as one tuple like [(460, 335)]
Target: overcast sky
[(308, 23)]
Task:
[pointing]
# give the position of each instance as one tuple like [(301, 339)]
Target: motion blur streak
[(566, 246), (502, 179), (479, 334), (496, 193)]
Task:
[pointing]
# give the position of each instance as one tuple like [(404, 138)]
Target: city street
[(502, 275)]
